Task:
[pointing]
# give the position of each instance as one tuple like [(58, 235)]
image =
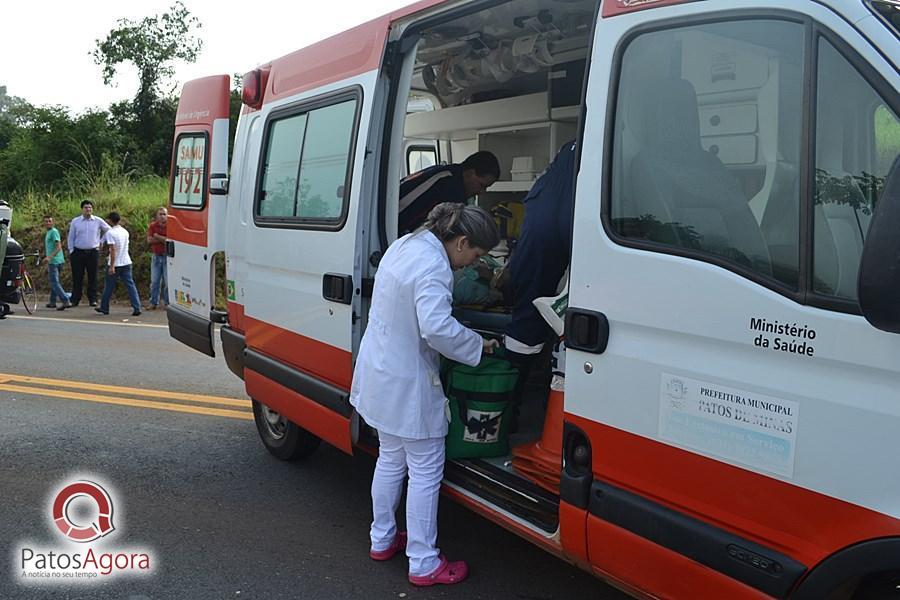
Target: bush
[(136, 200)]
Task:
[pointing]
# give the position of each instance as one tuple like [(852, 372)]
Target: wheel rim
[(276, 425), (29, 295)]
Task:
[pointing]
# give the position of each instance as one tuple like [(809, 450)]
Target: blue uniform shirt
[(543, 251)]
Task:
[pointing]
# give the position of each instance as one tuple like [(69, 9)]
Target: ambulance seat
[(695, 201)]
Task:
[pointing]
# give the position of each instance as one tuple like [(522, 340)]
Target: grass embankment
[(136, 200)]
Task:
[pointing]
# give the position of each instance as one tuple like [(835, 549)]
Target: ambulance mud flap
[(757, 566), (577, 477), (575, 492), (191, 330), (233, 346)]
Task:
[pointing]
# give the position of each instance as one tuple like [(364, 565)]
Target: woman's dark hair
[(450, 220)]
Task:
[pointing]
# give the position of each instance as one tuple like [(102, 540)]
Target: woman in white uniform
[(397, 386)]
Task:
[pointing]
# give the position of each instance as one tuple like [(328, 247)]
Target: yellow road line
[(197, 410), (128, 391)]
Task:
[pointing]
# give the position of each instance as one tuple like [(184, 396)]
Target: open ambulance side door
[(197, 189), (714, 354)]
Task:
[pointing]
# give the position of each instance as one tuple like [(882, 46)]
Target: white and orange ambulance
[(731, 420)]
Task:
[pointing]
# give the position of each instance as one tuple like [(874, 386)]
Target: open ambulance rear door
[(197, 188)]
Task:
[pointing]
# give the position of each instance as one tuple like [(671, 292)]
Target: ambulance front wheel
[(282, 438)]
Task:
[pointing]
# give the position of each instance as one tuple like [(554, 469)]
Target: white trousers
[(424, 461)]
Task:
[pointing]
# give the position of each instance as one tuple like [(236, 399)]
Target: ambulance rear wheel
[(282, 439), (880, 586)]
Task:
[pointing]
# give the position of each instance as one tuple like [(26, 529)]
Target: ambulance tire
[(880, 586), (282, 438)]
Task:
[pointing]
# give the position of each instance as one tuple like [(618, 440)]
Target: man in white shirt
[(119, 266)]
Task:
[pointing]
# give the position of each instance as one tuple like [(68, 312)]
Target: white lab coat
[(396, 383)]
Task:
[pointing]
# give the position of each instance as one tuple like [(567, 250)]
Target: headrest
[(671, 116)]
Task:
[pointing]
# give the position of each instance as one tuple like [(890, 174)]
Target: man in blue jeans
[(55, 260), (119, 266), (156, 237)]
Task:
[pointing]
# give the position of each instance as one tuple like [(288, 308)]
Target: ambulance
[(730, 426)]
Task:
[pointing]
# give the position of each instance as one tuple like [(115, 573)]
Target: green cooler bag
[(480, 408)]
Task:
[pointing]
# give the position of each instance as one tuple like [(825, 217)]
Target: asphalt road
[(220, 516)]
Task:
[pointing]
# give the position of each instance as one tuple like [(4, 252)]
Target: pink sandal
[(388, 553), (447, 573)]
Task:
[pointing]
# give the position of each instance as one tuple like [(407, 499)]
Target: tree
[(234, 110), (8, 104), (49, 149), (152, 45), (8, 126)]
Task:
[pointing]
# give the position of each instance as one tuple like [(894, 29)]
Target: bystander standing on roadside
[(55, 260), (156, 237), (85, 233), (119, 266)]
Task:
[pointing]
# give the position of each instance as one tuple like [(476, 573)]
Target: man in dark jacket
[(542, 254), (425, 189)]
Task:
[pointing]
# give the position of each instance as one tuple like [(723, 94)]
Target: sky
[(45, 45)]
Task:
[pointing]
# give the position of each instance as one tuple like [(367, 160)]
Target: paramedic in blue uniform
[(397, 386), (423, 190), (542, 255)]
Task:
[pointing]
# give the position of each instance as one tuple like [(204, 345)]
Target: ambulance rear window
[(189, 177)]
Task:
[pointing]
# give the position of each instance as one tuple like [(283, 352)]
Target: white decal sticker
[(744, 427)]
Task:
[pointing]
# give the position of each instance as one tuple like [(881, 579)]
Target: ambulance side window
[(707, 146), (279, 185), (306, 168), (857, 140)]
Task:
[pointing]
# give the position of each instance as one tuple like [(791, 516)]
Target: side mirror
[(878, 285)]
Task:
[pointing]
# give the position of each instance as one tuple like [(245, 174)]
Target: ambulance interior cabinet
[(537, 143)]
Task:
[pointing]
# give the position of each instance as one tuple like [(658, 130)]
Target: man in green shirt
[(55, 260)]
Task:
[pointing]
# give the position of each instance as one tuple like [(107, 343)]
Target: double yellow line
[(115, 394)]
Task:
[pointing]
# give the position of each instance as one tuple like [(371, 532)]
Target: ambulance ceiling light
[(254, 85)]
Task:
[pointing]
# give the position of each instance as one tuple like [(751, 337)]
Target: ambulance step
[(506, 490)]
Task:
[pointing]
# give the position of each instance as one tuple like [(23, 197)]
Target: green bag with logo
[(481, 402)]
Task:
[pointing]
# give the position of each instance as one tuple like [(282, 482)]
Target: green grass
[(136, 200)]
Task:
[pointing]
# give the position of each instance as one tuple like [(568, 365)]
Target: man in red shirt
[(156, 237)]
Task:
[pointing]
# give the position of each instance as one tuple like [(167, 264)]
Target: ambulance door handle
[(337, 287), (170, 248), (586, 330)]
